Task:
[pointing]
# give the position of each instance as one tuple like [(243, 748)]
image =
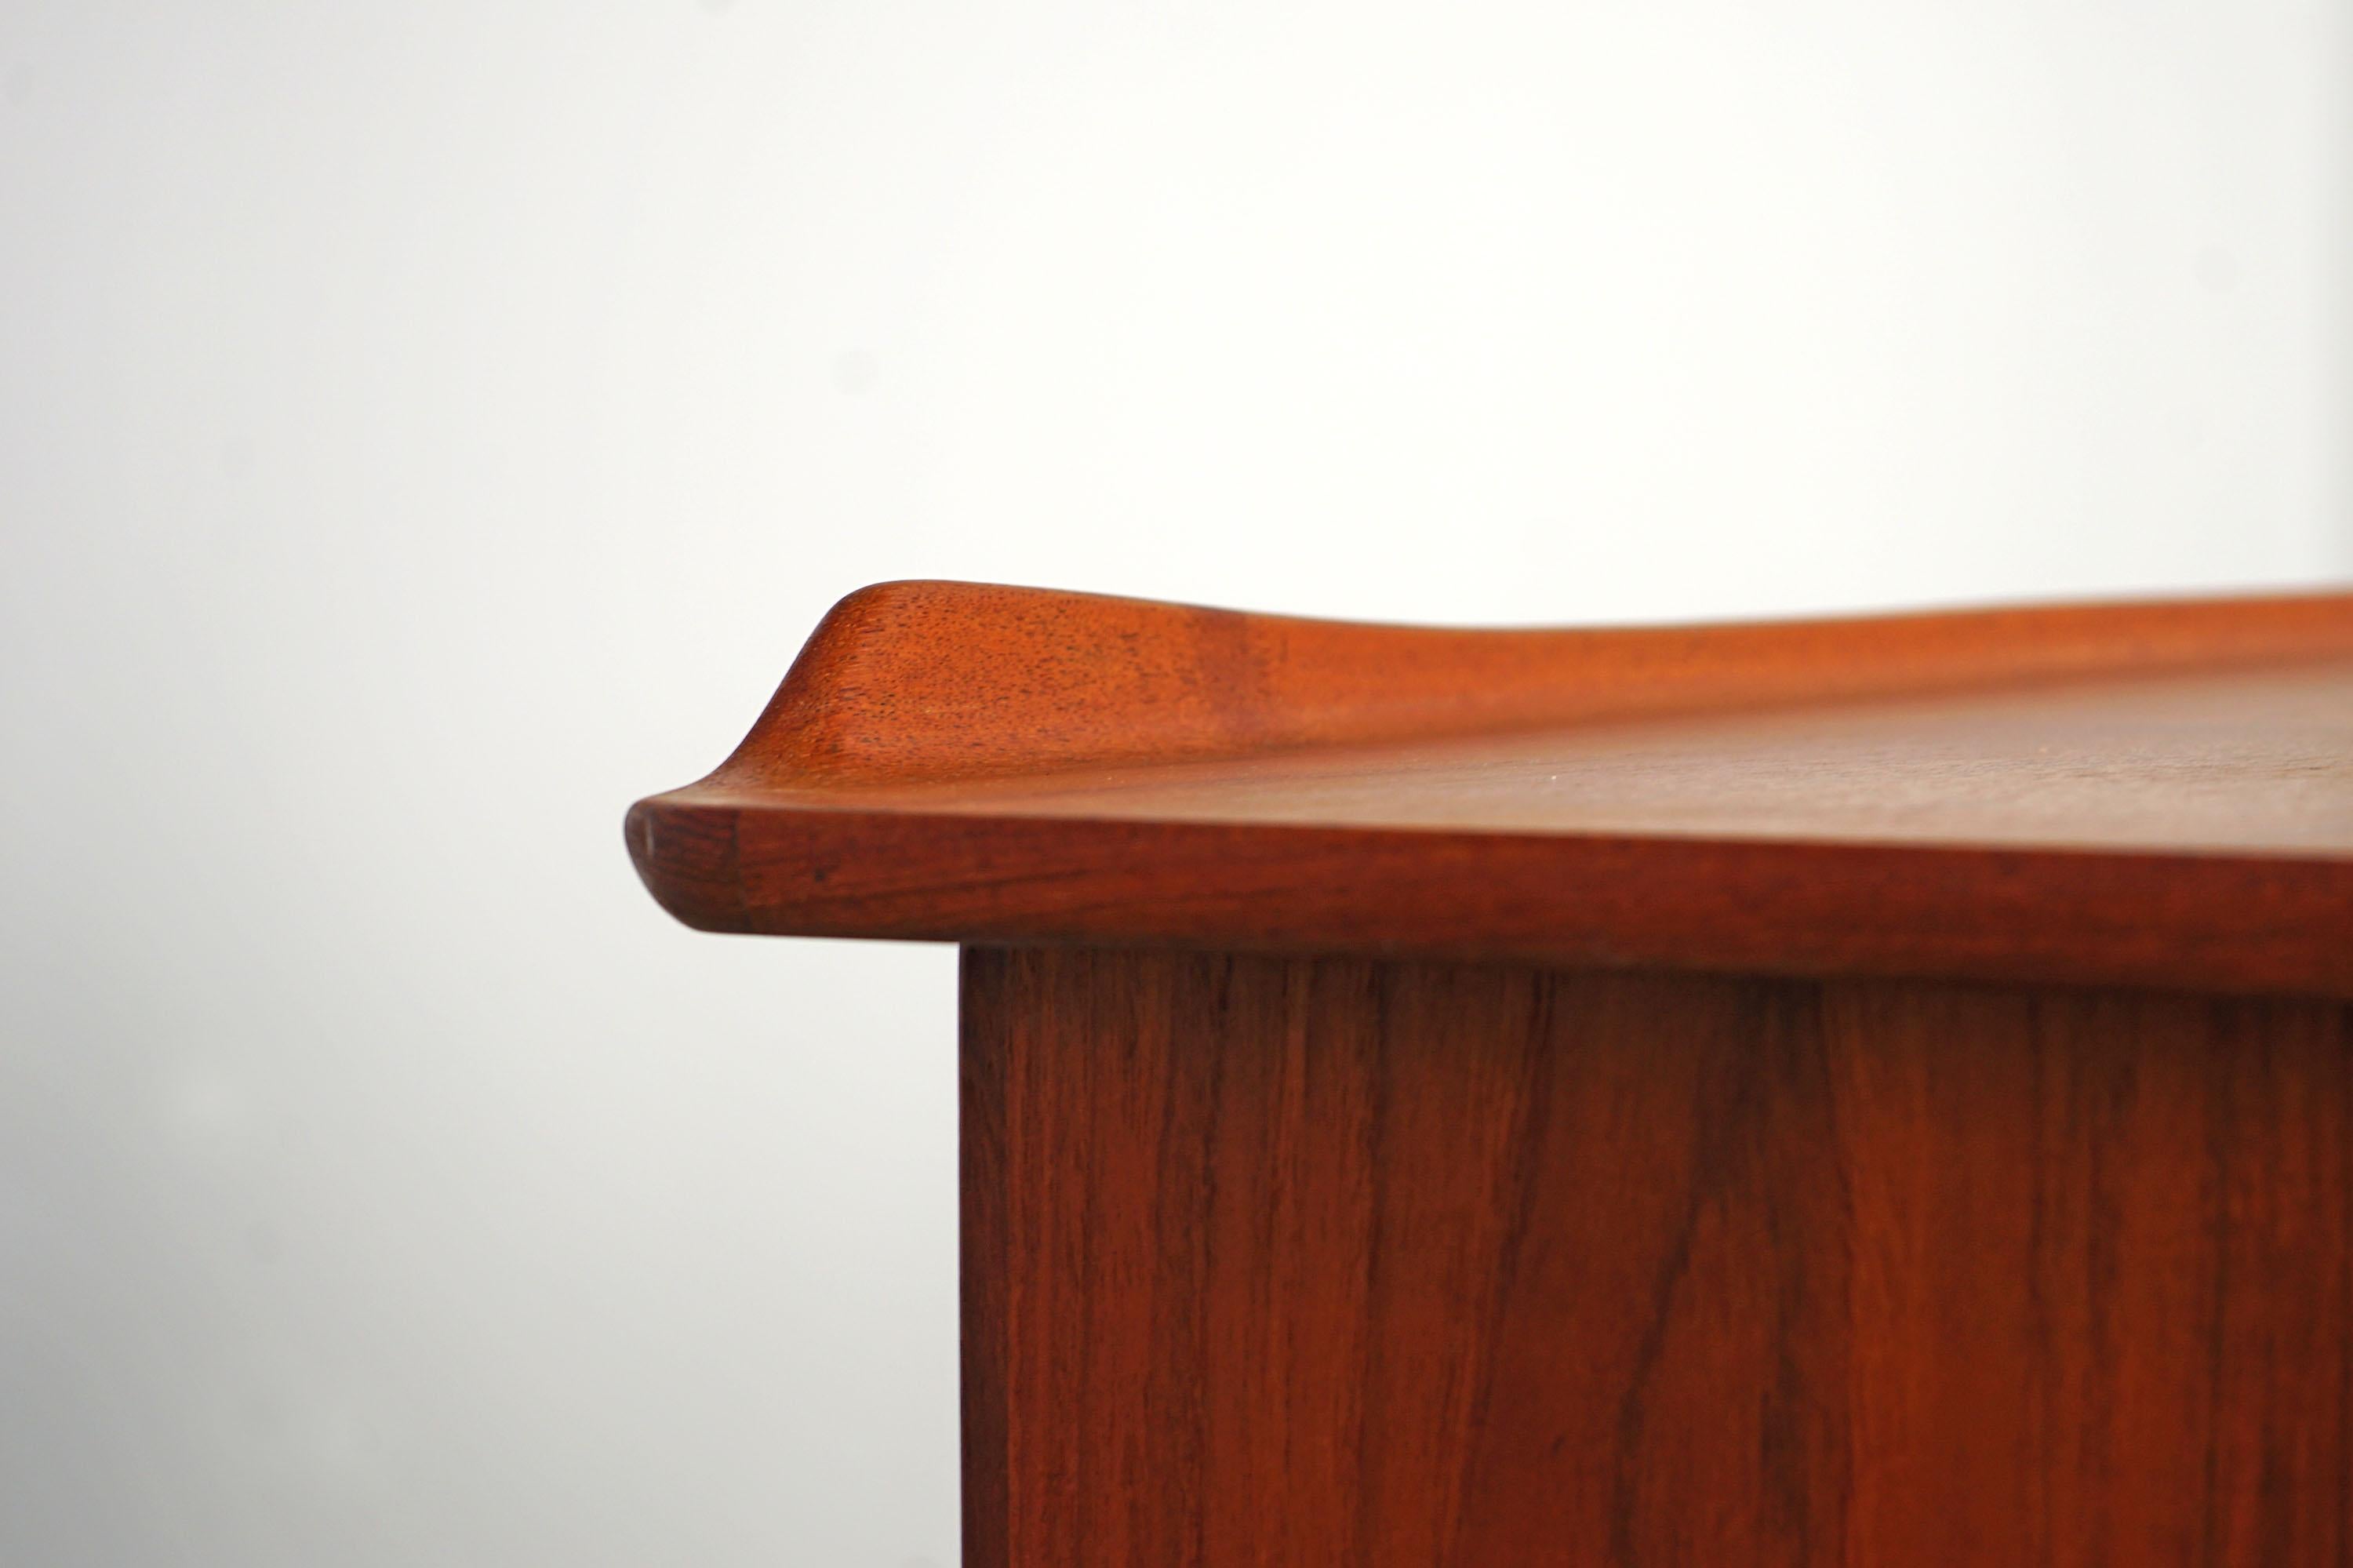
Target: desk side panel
[(1305, 1261)]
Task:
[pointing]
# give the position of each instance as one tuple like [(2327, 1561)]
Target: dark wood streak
[(1343, 1261)]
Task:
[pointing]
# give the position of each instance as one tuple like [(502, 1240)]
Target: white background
[(426, 426)]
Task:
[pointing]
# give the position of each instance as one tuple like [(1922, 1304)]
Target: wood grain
[(920, 680), (2101, 795), (1341, 1261), (1871, 1091)]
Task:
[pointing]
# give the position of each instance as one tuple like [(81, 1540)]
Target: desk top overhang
[(2151, 794)]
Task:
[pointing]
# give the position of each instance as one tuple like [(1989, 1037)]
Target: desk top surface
[(2142, 794)]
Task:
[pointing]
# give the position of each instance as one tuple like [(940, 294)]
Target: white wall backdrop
[(425, 426)]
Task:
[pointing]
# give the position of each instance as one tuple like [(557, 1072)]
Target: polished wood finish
[(930, 680), (2136, 794), (1354, 1262), (1873, 1091)]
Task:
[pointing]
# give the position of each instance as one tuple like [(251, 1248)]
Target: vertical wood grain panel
[(1336, 1261)]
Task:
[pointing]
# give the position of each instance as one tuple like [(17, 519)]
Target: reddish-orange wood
[(2153, 795), (1887, 1097), (951, 680), (1341, 1261)]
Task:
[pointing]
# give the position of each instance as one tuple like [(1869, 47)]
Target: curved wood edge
[(927, 681), (2155, 920), (800, 832)]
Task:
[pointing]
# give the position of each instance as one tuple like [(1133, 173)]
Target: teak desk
[(1873, 1091)]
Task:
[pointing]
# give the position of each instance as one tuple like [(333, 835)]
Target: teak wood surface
[(2119, 794), (1868, 1091), (1301, 1262)]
